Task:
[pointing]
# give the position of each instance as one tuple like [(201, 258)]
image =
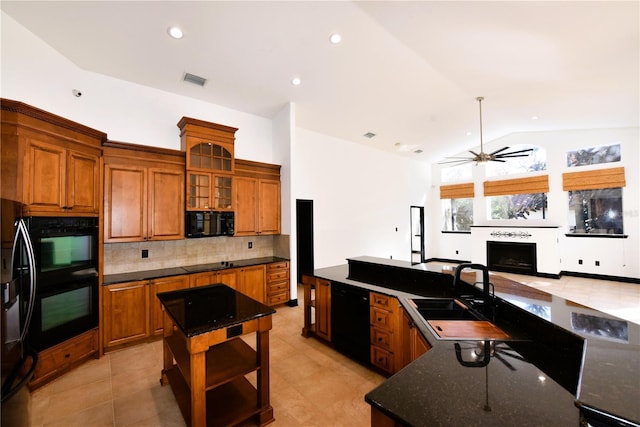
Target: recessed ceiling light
[(296, 81), (335, 38), (468, 133), (369, 135), (534, 117), (175, 32)]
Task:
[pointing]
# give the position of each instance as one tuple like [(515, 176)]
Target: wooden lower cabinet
[(317, 307), (131, 312), (277, 282), (323, 309), (125, 309), (156, 286), (59, 359), (228, 276), (251, 282), (385, 319), (413, 342)]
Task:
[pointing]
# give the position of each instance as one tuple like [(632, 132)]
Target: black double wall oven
[(66, 253)]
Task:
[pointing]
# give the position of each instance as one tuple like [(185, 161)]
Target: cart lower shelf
[(227, 405)]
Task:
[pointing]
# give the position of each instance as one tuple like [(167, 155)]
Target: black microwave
[(209, 223)]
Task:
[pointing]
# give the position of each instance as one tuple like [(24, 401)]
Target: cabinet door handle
[(379, 319)]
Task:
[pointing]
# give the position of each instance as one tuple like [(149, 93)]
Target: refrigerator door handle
[(21, 229)]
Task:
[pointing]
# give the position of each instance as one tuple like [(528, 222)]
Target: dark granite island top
[(568, 358), (206, 308)]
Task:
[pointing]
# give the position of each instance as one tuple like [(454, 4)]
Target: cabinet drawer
[(278, 286), (278, 265), (59, 358), (278, 298), (382, 319), (382, 358), (273, 276), (382, 301), (382, 338)]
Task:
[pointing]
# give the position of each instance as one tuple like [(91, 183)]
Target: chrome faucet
[(488, 291)]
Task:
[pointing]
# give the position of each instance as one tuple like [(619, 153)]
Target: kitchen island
[(202, 330), (565, 364)]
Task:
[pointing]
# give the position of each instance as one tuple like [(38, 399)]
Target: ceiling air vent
[(196, 80), (369, 135)]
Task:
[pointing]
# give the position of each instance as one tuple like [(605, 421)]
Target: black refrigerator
[(17, 299)]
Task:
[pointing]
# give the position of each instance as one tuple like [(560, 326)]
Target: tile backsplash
[(127, 257)]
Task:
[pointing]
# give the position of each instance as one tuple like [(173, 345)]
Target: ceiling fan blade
[(498, 160), (528, 150), (509, 156), (474, 153), (460, 161), (499, 151)]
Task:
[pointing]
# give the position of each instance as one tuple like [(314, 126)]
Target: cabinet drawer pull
[(67, 355)]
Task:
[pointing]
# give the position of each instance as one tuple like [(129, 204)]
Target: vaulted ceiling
[(408, 72)]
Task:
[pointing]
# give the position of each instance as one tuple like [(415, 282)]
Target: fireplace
[(510, 257)]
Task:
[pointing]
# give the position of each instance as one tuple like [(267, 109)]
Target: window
[(596, 211), (457, 214), (594, 155), (519, 198), (518, 206), (535, 161), (456, 173), (457, 206), (595, 200)]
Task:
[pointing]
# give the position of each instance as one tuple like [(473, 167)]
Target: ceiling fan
[(482, 157)]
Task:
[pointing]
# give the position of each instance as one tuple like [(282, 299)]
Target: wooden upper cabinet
[(49, 163), (143, 193), (125, 201), (210, 161), (257, 198)]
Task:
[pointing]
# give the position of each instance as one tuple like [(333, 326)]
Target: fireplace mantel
[(546, 239)]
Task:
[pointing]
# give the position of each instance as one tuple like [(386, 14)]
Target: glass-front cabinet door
[(198, 193), (207, 191), (210, 190)]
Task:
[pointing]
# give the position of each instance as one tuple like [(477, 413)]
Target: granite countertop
[(567, 357), (111, 279), (203, 309)]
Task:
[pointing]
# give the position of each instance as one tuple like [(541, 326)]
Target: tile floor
[(311, 385)]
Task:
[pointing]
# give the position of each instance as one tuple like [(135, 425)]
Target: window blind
[(457, 191), (594, 179), (531, 185)]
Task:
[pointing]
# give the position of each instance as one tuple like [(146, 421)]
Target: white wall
[(34, 73), (617, 257), (360, 195)]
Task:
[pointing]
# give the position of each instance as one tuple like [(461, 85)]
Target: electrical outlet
[(145, 253), (250, 245), (456, 252), (580, 261), (597, 263)]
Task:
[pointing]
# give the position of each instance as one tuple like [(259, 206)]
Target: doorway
[(304, 240), (417, 234)]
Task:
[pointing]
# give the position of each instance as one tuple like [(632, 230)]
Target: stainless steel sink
[(444, 309)]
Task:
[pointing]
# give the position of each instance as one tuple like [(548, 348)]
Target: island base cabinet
[(210, 383)]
